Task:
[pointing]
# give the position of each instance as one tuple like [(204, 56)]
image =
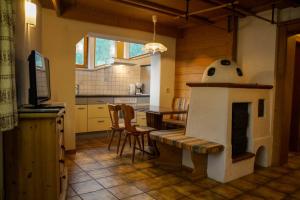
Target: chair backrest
[(128, 113), (180, 103), (114, 115)]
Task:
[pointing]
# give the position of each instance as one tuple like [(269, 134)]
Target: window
[(81, 51), (104, 51), (135, 49)]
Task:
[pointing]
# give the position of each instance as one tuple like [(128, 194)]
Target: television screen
[(39, 78)]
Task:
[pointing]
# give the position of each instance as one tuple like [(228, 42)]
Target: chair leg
[(123, 145), (138, 141), (129, 140), (111, 139), (133, 148), (119, 140), (143, 144)]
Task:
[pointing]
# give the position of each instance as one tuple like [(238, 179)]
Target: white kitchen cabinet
[(81, 116), (98, 124), (141, 118)]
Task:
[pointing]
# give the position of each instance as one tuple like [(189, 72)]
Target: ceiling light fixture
[(154, 47)]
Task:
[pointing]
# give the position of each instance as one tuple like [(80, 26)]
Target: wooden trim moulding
[(230, 85)]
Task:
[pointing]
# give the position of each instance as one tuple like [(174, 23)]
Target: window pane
[(135, 49), (104, 51), (80, 52)]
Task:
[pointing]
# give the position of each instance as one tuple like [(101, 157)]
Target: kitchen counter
[(111, 95), (84, 99)]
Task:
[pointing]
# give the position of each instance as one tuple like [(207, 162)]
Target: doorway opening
[(293, 59)]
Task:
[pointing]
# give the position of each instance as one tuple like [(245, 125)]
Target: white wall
[(59, 36), (27, 39)]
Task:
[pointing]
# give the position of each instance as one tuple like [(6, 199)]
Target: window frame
[(85, 53)]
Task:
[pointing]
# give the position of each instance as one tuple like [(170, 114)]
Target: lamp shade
[(30, 13), (154, 47)]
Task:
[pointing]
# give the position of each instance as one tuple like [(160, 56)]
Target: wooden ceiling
[(136, 14)]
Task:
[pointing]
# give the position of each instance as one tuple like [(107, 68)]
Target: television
[(39, 75)]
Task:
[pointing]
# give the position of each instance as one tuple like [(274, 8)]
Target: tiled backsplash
[(110, 80)]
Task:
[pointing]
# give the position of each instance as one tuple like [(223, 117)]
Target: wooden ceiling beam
[(217, 3), (240, 10), (143, 4), (93, 16), (57, 6)]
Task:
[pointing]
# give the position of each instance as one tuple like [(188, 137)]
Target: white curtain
[(8, 104)]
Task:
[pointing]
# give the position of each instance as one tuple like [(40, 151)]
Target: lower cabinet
[(91, 118), (34, 157), (98, 124)]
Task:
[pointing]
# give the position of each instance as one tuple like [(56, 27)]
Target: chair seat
[(175, 122), (144, 129)]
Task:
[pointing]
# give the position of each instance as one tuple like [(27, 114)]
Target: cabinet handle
[(101, 121), (81, 108), (61, 161), (100, 107)]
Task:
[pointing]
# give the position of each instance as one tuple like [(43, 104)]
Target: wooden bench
[(170, 144)]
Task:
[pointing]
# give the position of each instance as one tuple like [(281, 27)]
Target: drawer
[(98, 110), (99, 124), (140, 114), (100, 100)]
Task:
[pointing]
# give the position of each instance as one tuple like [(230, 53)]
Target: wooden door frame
[(283, 93)]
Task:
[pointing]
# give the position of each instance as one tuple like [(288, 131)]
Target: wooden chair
[(116, 127), (178, 120), (132, 130)]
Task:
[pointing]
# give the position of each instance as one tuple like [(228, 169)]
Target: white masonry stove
[(226, 110)]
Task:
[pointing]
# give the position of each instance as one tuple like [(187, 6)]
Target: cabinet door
[(98, 124), (141, 118), (81, 118), (98, 110)]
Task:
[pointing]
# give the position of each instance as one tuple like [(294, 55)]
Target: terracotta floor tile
[(134, 176), (256, 179), (143, 165), (242, 185), (187, 188), (71, 192), (100, 173), (268, 193), (227, 191), (140, 197), (122, 169), (79, 177), (111, 181), (296, 194), (90, 166), (207, 183), (166, 193), (206, 195), (98, 195), (249, 197), (282, 187), (110, 163), (268, 173), (153, 172), (125, 191), (87, 186), (74, 198), (148, 184)]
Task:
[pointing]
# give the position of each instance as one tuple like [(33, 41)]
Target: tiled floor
[(98, 174)]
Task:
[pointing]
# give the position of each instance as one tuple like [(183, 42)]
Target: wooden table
[(155, 115)]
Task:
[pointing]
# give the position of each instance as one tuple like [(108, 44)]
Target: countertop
[(111, 95)]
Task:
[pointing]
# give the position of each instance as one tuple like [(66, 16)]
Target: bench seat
[(180, 140), (170, 144)]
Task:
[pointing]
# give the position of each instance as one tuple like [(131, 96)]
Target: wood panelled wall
[(195, 50)]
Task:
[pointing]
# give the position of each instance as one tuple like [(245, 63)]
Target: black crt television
[(39, 75)]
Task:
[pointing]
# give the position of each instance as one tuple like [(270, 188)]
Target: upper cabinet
[(94, 53)]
